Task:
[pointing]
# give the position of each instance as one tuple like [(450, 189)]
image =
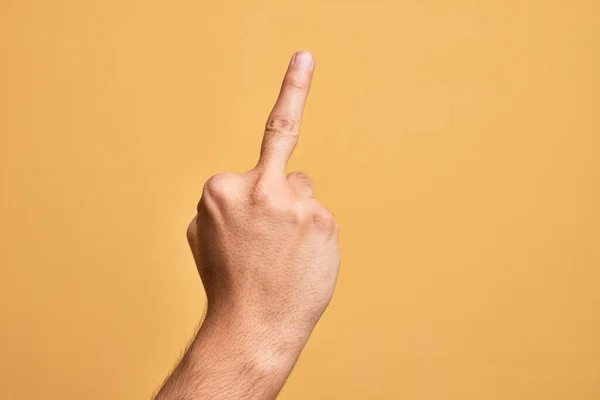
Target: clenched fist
[(268, 255)]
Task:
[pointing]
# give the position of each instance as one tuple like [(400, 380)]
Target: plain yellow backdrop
[(457, 143)]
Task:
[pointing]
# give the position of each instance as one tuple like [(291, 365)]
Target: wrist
[(231, 358), (239, 337)]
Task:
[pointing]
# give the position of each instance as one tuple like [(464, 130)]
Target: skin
[(268, 256)]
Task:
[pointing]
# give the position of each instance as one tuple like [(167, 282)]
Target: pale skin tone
[(268, 255)]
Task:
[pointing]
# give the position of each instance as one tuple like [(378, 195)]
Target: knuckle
[(301, 212), (295, 83), (221, 186), (323, 219), (269, 199), (261, 194), (282, 125), (300, 176), (301, 183), (191, 231)]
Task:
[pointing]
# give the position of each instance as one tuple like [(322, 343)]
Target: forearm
[(232, 359)]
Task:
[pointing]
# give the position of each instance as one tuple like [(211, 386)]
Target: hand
[(268, 256), (266, 250)]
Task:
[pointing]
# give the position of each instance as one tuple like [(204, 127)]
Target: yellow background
[(457, 143)]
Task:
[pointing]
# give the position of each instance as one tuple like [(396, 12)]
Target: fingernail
[(303, 59)]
